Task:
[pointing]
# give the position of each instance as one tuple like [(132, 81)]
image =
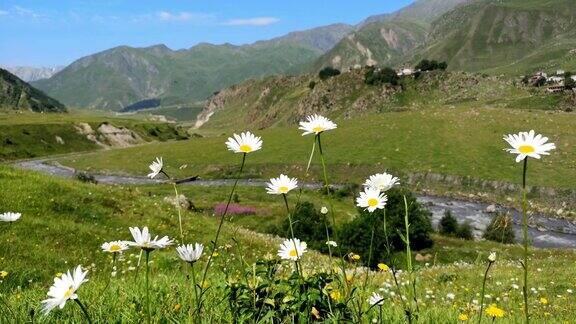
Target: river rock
[(423, 258), (490, 209)]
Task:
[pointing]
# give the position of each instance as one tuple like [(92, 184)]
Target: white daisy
[(527, 144), (492, 257), (376, 299), (115, 246), (281, 185), (64, 289), (155, 167), (324, 210), (371, 199), (143, 240), (10, 217), (190, 253), (382, 181), (332, 243), (244, 143), (292, 249), (316, 124)]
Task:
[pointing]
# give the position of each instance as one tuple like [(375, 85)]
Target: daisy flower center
[(372, 202), (283, 189), (526, 149), (115, 248), (69, 292), (318, 129), (245, 148), (293, 253)]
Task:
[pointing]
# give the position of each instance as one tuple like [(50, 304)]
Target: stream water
[(545, 232)]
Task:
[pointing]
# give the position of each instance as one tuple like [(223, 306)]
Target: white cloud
[(24, 12), (184, 16), (257, 21)]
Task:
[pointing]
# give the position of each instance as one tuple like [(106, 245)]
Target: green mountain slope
[(425, 11), (16, 94), (387, 39), (514, 36), (123, 75), (285, 100), (378, 43)]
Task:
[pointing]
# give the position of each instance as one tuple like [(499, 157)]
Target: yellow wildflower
[(463, 317), (3, 274), (335, 294), (177, 307), (315, 313), (543, 301), (382, 267), (493, 311)]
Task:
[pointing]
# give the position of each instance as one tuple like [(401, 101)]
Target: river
[(545, 232)]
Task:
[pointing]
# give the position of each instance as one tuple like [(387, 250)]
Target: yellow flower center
[(115, 248), (69, 292), (283, 189), (526, 149), (245, 148), (318, 129), (372, 202), (293, 253)]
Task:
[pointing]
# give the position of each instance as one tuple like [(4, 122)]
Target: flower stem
[(407, 228), (147, 287), (292, 232), (84, 310), (177, 200), (525, 235), (193, 274), (215, 242), (483, 290)]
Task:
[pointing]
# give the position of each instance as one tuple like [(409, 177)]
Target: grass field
[(57, 233), (460, 141), (29, 135)]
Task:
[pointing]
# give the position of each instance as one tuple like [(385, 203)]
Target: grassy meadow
[(32, 135), (57, 233), (465, 142)]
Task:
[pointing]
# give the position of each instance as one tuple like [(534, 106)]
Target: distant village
[(559, 82)]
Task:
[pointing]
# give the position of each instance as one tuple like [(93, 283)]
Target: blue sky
[(47, 33)]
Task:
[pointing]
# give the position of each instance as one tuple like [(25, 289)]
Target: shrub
[(382, 76), (309, 225), (272, 296), (500, 229), (464, 231), (328, 72), (355, 235), (427, 65), (85, 177), (312, 85), (448, 224)]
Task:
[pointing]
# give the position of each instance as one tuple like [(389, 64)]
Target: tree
[(328, 72), (448, 224), (355, 236), (569, 83), (427, 65), (383, 76)]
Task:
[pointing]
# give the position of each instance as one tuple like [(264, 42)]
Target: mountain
[(282, 100), (514, 36), (30, 73), (387, 39), (124, 75), (380, 43), (424, 11), (16, 94)]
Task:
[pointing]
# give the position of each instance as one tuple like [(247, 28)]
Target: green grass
[(460, 141), (64, 222), (29, 135)]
